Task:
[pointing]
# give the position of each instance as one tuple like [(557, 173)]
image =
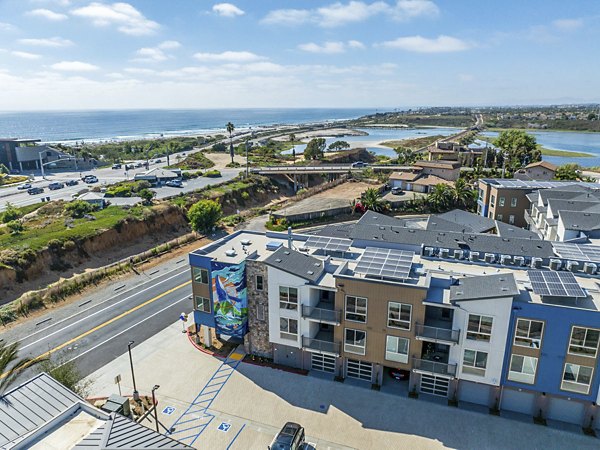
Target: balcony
[(323, 312), (529, 219), (322, 343), (434, 367), (436, 334)]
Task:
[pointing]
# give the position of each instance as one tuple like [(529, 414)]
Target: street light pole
[(136, 394), (156, 386), (42, 164), (247, 145)]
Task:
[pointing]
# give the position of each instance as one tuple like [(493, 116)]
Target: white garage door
[(566, 411), (521, 402), (359, 369), (474, 393), (323, 363), (434, 385)]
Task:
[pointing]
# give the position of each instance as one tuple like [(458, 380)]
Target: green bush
[(78, 208), (188, 175), (245, 195), (219, 147), (11, 213), (204, 215), (212, 174), (15, 227), (147, 195)]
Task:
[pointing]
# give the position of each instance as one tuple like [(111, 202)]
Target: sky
[(135, 54)]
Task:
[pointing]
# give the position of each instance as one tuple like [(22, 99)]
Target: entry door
[(434, 385), (359, 369), (323, 363)]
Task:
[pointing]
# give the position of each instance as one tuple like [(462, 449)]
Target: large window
[(202, 304), (288, 297), (396, 349), (584, 341), (475, 362), (500, 201), (259, 282), (513, 202), (492, 200), (577, 378), (355, 341), (288, 328), (529, 333), (356, 309), (479, 327), (522, 369), (200, 275), (399, 315)]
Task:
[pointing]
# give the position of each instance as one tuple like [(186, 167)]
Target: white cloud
[(228, 56), (419, 44), (6, 26), (567, 24), (123, 15), (25, 55), (169, 45), (47, 14), (356, 44), (156, 54), (227, 10), (47, 42), (331, 47), (74, 66), (338, 14)]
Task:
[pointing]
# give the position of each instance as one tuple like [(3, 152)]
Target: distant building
[(25, 154), (158, 176), (448, 170), (94, 199), (541, 171), (425, 175)]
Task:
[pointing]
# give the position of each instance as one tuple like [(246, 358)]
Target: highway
[(96, 328)]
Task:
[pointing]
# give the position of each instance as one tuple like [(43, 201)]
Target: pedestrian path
[(192, 423)]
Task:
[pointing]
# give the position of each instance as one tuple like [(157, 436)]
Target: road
[(96, 329), (326, 168)]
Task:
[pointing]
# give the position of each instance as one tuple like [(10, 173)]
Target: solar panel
[(555, 284), (387, 263), (328, 243), (577, 252)]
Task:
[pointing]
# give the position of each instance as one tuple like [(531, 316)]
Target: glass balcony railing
[(434, 367), (437, 334), (321, 314), (317, 345)]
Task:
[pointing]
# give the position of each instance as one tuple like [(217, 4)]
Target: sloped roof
[(506, 230), (441, 164), (404, 176), (476, 222), (488, 286), (544, 164), (431, 180), (296, 263), (580, 220)]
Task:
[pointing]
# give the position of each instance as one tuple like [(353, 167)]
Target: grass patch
[(8, 180), (194, 161), (564, 153), (413, 143)]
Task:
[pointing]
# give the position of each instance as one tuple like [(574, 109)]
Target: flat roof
[(532, 184)]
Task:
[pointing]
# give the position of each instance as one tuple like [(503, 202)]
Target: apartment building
[(540, 171), (452, 314)]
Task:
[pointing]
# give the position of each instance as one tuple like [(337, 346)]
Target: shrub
[(15, 227), (219, 147), (212, 173), (11, 213), (204, 215), (245, 195), (78, 208), (147, 195)]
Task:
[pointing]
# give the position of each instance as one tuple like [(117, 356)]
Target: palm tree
[(172, 147), (439, 197), (10, 365), (230, 127), (372, 200), (461, 194)]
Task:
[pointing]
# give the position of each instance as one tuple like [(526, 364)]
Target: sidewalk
[(249, 404)]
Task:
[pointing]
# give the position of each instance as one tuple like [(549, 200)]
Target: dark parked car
[(397, 191), (55, 186), (291, 437), (399, 374), (24, 186), (35, 190), (72, 183), (116, 166)]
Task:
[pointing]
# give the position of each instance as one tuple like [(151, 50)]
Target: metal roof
[(577, 252), (488, 286), (532, 184), (296, 263)]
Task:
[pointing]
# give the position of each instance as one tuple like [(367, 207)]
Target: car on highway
[(116, 166), (90, 179), (174, 183), (138, 165), (24, 186), (397, 191), (291, 437), (35, 190), (129, 166), (72, 182), (56, 185), (358, 164)]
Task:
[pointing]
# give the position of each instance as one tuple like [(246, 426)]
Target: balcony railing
[(319, 346), (437, 368), (437, 334), (528, 218), (321, 314)]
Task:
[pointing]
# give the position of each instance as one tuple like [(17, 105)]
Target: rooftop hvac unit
[(474, 256), (489, 258), (519, 261), (444, 253), (505, 260), (458, 254), (590, 268), (555, 264), (273, 245), (572, 266), (536, 263), (428, 251)]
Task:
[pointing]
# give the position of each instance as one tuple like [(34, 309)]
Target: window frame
[(291, 306), (492, 200), (501, 201), (262, 282), (288, 335), (479, 332), (473, 369), (513, 202), (355, 313), (528, 337), (260, 313), (521, 373), (576, 382), (205, 300), (583, 346), (200, 279), (499, 217), (403, 358), (408, 322), (511, 219), (354, 341)]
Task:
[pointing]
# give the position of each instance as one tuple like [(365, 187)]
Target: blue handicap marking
[(224, 427), (168, 410)]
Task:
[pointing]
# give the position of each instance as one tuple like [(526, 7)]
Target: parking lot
[(242, 406)]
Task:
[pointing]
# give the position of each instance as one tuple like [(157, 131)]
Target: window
[(493, 200), (576, 378), (396, 349), (200, 275), (500, 201), (479, 327), (513, 202), (529, 333), (259, 282), (399, 315), (480, 194), (260, 312), (511, 219), (474, 362), (355, 341), (584, 341), (288, 328), (202, 304), (288, 297), (522, 369), (356, 309), (499, 217)]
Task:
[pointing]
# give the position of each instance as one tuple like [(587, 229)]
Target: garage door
[(323, 363), (521, 402), (434, 385), (474, 393), (359, 369), (566, 411)]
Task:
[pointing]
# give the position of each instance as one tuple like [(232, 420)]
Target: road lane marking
[(98, 327)]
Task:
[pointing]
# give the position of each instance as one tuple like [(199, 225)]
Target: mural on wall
[(230, 300)]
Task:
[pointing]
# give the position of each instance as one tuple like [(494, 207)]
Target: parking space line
[(235, 437)]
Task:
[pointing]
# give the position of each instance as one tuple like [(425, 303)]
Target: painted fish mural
[(230, 300)]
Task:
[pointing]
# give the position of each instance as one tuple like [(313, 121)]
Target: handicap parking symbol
[(224, 427), (168, 410)]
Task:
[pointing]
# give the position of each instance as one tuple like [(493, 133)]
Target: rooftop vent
[(278, 260), (246, 241), (310, 272), (286, 252), (231, 252)]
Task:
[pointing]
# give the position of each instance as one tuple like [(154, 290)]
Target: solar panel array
[(577, 252), (387, 263), (328, 243), (555, 284)]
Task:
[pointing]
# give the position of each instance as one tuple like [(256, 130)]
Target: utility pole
[(247, 146), (156, 386), (136, 394), (42, 164)]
